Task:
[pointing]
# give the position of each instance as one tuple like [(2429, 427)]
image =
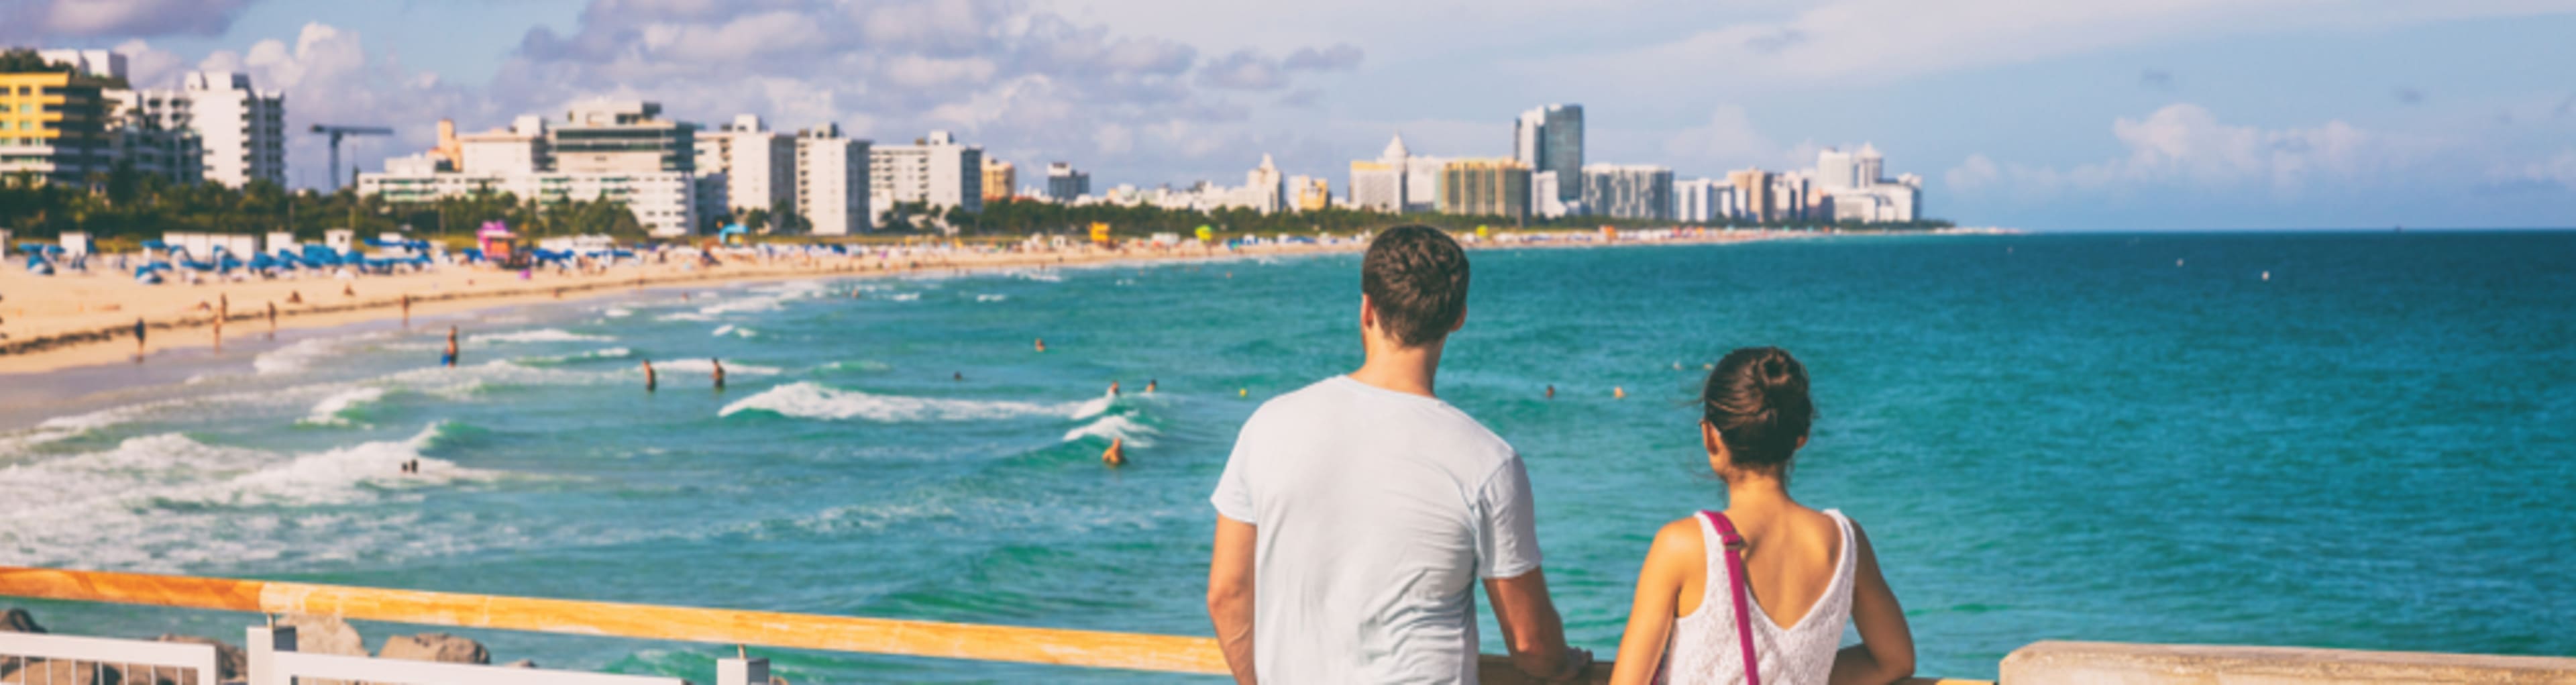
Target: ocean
[(2356, 440)]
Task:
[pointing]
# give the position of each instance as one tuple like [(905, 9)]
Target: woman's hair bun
[(1757, 399)]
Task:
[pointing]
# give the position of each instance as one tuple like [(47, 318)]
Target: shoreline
[(92, 325)]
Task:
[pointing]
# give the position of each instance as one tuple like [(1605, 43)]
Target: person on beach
[(449, 359), (406, 305), (1357, 515), (138, 338), (719, 372), (272, 319), (651, 381), (1775, 556)]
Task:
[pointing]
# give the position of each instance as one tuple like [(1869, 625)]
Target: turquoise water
[(2046, 437)]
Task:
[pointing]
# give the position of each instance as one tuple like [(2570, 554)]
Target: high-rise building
[(1414, 185), (604, 151), (1628, 191), (622, 136), (832, 181), (146, 134), (999, 179), (1486, 187), (1313, 193), (1702, 201), (1064, 184), (1551, 139), (1834, 169), (936, 171), (1752, 195), (745, 166), (243, 131), (53, 126)]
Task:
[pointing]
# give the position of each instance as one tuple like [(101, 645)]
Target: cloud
[(1339, 57), (1729, 140), (2157, 80), (328, 76), (2408, 95), (46, 19), (1243, 70), (2186, 146), (2555, 172), (1880, 40)]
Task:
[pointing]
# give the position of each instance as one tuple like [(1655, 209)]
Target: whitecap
[(812, 401), (991, 298), (295, 357), (617, 312), (684, 316), (1115, 427), (708, 367), (904, 297), (168, 502), (542, 335), (327, 412)]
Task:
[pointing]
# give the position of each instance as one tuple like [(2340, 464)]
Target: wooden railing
[(1061, 647)]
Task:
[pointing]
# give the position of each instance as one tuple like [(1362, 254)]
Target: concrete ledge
[(2111, 663)]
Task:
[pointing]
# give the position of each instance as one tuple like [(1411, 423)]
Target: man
[(1356, 515)]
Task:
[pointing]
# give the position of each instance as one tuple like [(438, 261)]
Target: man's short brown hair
[(1416, 278)]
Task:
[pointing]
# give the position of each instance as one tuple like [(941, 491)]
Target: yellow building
[(999, 179), (1313, 194), (1485, 187), (52, 125)]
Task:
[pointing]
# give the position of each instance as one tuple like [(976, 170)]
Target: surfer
[(1117, 454), (449, 359)]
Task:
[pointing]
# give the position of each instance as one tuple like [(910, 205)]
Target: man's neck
[(1406, 370)]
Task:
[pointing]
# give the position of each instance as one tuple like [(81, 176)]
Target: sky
[(2032, 114)]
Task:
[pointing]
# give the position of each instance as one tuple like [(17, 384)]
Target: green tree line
[(123, 207)]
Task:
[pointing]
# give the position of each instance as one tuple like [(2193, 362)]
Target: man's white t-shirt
[(1377, 512)]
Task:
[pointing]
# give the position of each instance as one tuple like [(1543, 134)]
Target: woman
[(1814, 568)]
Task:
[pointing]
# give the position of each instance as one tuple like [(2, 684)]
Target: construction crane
[(336, 132)]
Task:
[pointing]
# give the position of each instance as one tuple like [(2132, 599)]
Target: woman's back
[(1799, 565)]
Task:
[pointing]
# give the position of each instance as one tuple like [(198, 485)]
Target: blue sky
[(2151, 114)]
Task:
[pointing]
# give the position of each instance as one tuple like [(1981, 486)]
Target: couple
[(1355, 516)]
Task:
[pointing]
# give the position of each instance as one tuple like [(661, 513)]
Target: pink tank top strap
[(1737, 591)]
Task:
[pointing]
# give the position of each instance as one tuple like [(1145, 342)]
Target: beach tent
[(731, 234)]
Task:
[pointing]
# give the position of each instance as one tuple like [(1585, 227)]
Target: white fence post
[(264, 642), (742, 671)]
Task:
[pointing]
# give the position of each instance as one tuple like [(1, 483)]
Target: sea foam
[(812, 401)]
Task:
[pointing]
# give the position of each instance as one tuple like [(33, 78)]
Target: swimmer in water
[(1113, 388), (450, 359), (959, 377), (1551, 392), (1042, 344), (719, 374), (1618, 393), (1117, 454), (651, 380), (1150, 384)]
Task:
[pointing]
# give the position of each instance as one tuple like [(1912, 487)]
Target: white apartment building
[(1397, 181), (935, 170), (747, 166), (1702, 201), (603, 151), (832, 181), (242, 131)]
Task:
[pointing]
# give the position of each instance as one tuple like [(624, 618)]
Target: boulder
[(439, 647), (17, 620), (230, 661), (325, 635)]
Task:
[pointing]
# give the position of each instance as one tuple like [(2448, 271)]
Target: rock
[(325, 635), (230, 661), (18, 621), (522, 663), (439, 647)]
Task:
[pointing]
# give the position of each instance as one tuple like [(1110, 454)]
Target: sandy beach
[(85, 319)]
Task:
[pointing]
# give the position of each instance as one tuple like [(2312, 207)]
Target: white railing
[(22, 654), (273, 661)]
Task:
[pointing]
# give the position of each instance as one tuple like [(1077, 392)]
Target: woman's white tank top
[(1705, 648)]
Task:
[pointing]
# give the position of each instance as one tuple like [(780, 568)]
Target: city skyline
[(2349, 114)]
